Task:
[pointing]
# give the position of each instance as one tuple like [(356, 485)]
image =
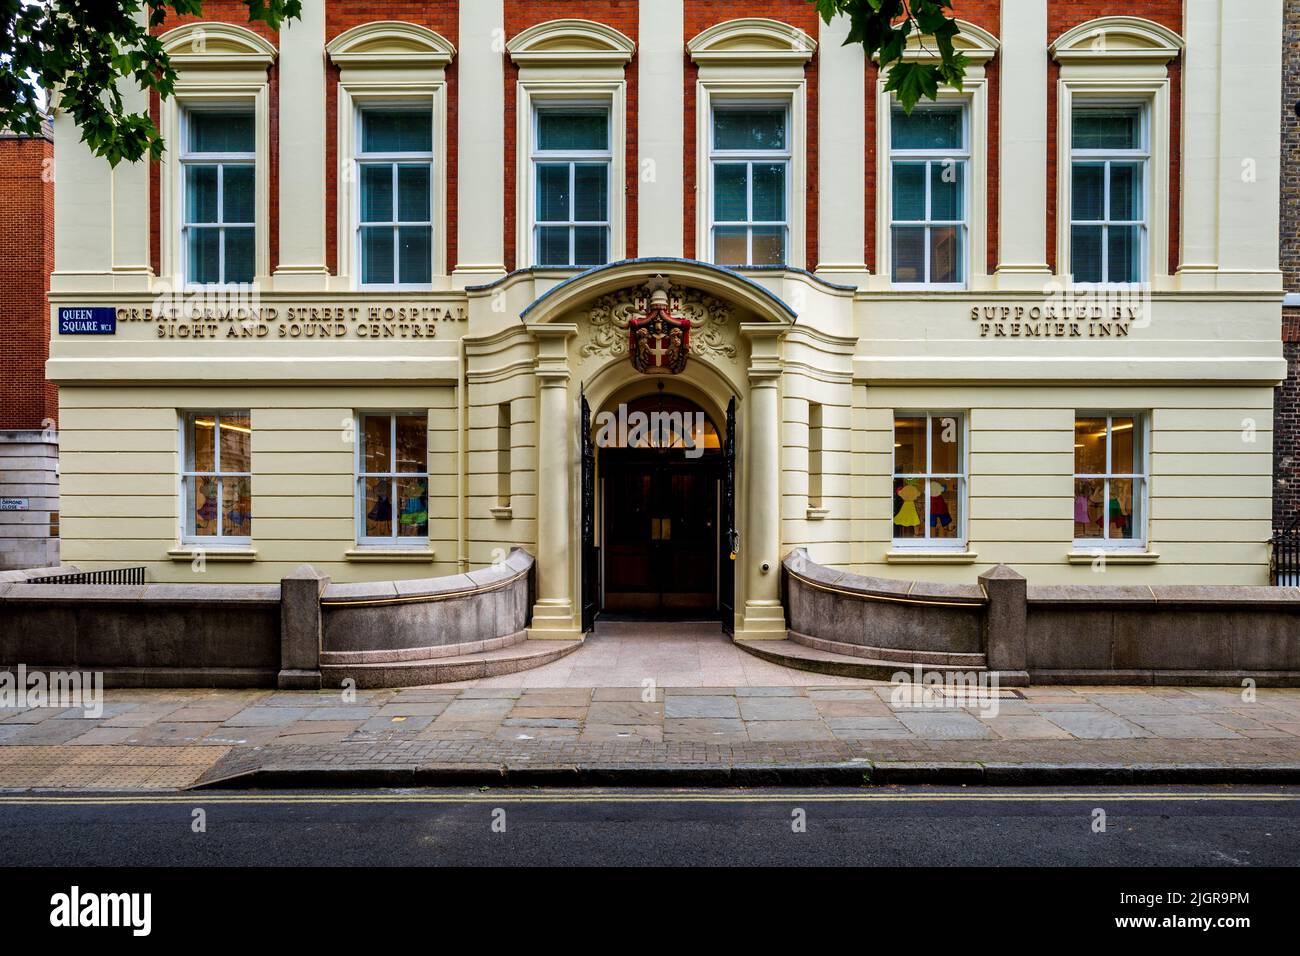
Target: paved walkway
[(165, 739)]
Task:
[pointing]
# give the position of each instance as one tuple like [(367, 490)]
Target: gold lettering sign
[(1071, 320), (294, 322)]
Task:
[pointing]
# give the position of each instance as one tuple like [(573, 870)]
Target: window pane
[(946, 254), (947, 190), (583, 130), (909, 254), (200, 443), (553, 246), (731, 246), (236, 444), (412, 443), (1119, 509), (237, 194), (909, 445), (945, 507), (730, 188), (1107, 129), (396, 131), (413, 504), (415, 255), (1089, 446), (553, 192), (201, 193), (590, 198), (1089, 507), (1085, 253), (1124, 255), (204, 255), (236, 508), (377, 192), (1125, 192), (945, 445), (202, 518), (909, 191), (377, 255), (749, 129), (1088, 188), (378, 505), (413, 193), (769, 192), (926, 129), (221, 131), (590, 245), (909, 507), (1124, 440), (378, 438), (769, 246), (239, 254)]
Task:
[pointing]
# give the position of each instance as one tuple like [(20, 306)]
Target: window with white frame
[(1110, 482), (929, 180), (216, 477), (218, 159), (929, 479), (395, 176), (393, 479), (571, 159), (1108, 177), (749, 162)]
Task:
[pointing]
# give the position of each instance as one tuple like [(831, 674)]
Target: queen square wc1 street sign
[(92, 320)]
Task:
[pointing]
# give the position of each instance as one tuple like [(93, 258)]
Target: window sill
[(817, 514), (213, 553), (1113, 556), (390, 555), (502, 512), (918, 556)]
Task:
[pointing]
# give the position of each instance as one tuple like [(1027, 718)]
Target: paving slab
[(700, 706)]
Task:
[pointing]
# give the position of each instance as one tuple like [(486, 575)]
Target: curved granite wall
[(472, 608)]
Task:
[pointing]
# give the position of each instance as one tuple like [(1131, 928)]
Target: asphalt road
[(1172, 826)]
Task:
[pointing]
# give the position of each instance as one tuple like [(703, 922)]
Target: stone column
[(1022, 142), (760, 548), (300, 628), (554, 611), (660, 52), (841, 156), (302, 150), (480, 189), (1005, 624)]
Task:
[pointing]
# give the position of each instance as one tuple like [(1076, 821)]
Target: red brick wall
[(1286, 398), (623, 16), (1061, 16), (26, 261), (443, 18), (221, 11), (700, 15)]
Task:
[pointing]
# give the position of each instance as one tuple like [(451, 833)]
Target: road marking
[(507, 796)]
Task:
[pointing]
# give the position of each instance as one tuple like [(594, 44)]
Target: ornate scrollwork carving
[(608, 318)]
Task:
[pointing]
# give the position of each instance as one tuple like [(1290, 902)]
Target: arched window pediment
[(217, 44), (569, 42), (1117, 39), (975, 43), (390, 43), (752, 39)]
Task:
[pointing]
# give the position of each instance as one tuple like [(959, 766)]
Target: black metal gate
[(1285, 564), (590, 553), (730, 549)]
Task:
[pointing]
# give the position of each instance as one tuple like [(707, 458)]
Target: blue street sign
[(95, 320)]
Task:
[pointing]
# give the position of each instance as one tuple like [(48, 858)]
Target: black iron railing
[(108, 576), (1285, 570)]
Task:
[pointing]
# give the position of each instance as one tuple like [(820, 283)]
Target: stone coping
[(370, 593), (1225, 597), (176, 594), (861, 587)]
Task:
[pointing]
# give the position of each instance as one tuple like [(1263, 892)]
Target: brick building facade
[(28, 402), (1286, 440)]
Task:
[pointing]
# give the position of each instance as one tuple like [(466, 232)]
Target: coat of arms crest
[(659, 342)]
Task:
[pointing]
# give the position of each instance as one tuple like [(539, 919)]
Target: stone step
[(790, 653), (905, 655), (441, 670)]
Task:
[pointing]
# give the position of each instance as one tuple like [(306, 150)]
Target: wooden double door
[(661, 536)]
